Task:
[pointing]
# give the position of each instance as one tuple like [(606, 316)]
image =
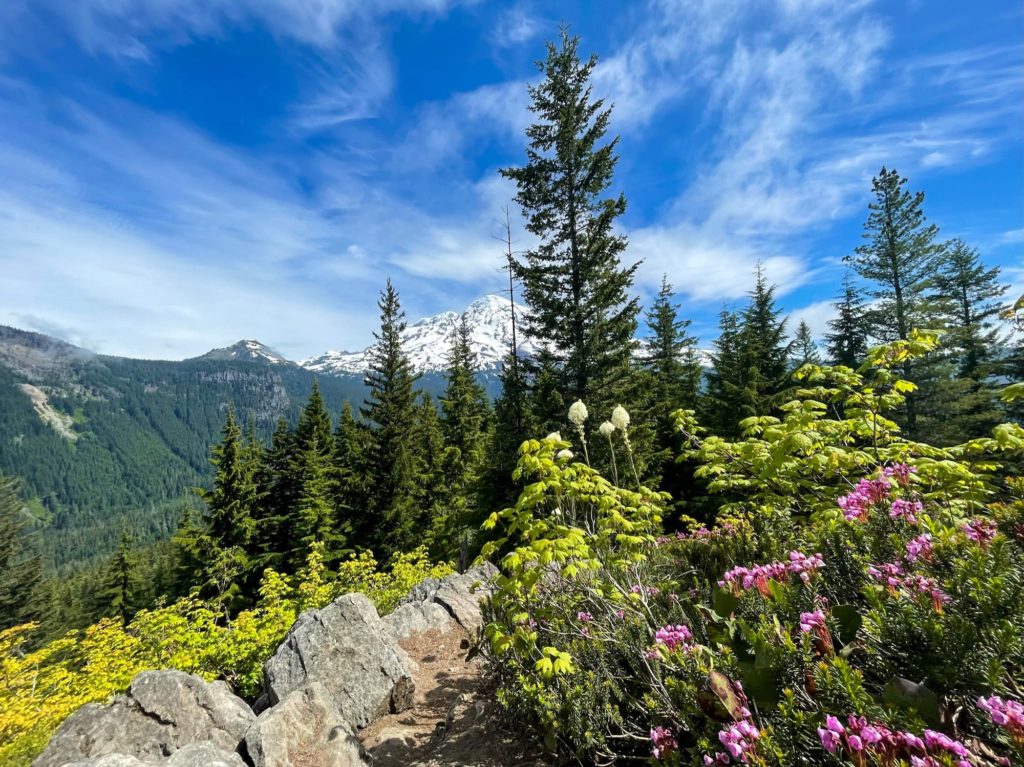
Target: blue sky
[(178, 174)]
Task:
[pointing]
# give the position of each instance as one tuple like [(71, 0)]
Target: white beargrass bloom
[(606, 428), (564, 454), (620, 418), (554, 436), (557, 512), (577, 413)]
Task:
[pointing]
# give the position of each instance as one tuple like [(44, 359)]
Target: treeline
[(403, 470)]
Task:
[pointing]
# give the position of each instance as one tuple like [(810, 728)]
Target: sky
[(178, 174)]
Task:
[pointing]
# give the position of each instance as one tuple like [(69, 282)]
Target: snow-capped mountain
[(428, 341), (249, 351)]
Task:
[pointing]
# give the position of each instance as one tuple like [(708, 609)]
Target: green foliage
[(20, 569), (40, 687), (895, 594)]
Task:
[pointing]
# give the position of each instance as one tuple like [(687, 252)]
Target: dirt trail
[(454, 721)]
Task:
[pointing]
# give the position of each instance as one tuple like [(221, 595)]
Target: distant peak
[(249, 350)]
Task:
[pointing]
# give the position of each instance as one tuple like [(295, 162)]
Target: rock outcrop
[(345, 648), (339, 669), (460, 594), (162, 713), (194, 755), (304, 730)]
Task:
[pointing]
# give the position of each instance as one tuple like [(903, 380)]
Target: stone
[(346, 648), (162, 712), (304, 730), (193, 755), (462, 593), (416, 618)]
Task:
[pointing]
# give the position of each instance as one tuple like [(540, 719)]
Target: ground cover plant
[(858, 600)]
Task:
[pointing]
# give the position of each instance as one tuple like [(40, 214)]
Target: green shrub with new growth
[(859, 600)]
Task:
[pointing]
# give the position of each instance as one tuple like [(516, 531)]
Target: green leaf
[(849, 621), (724, 602)]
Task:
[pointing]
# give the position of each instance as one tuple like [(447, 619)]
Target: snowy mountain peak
[(428, 341), (247, 350)]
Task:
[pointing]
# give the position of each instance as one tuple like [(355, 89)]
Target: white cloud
[(515, 26)]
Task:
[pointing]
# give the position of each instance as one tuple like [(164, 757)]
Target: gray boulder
[(194, 755), (304, 730), (461, 594), (162, 713), (410, 619), (346, 648)]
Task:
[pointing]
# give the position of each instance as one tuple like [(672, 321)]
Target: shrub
[(858, 601)]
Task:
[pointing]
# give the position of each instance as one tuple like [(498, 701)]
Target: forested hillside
[(104, 442)]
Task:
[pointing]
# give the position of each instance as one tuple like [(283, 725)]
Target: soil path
[(454, 721)]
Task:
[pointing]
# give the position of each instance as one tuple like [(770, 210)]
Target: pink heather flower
[(663, 742), (745, 578), (620, 614), (857, 503), (674, 637), (900, 472), (979, 530), (908, 510), (584, 617), (811, 621), (829, 740), (919, 548), (652, 654), (1008, 714), (937, 741)]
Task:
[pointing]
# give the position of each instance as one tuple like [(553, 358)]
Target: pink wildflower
[(673, 637), (584, 617), (907, 510), (1008, 714), (919, 548), (857, 503), (810, 621), (663, 742), (979, 530), (900, 472)]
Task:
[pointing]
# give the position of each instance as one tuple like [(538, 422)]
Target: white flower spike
[(578, 413), (564, 455), (620, 418), (606, 428)]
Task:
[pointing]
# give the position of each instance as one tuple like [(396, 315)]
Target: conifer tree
[(546, 401), (314, 425), (847, 344), (278, 492), (899, 255), (313, 518), (233, 500), (20, 568), (465, 411), (350, 490), (513, 425), (672, 353), (804, 350), (573, 279), (764, 351), (970, 298), (121, 584), (721, 404), (390, 411), (673, 373)]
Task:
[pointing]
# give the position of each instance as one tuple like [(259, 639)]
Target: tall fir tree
[(232, 503), (546, 402), (674, 376), (351, 493), (573, 280), (513, 425), (121, 586), (970, 297), (465, 416), (764, 351), (312, 521), (804, 350), (899, 255), (20, 567), (390, 409), (847, 344), (721, 402), (279, 493)]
